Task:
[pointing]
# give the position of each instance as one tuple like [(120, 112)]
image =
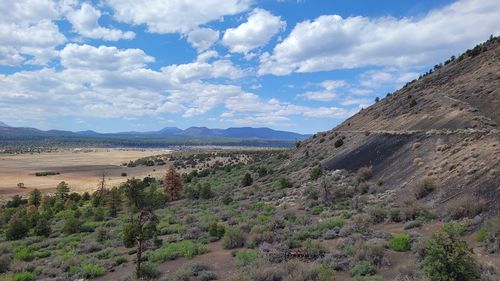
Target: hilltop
[(442, 128)]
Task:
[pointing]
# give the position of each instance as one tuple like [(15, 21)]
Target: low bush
[(170, 251), (377, 214), (4, 263), (233, 238), (400, 243), (24, 276), (338, 143), (149, 270), (363, 268), (315, 173), (90, 270), (466, 206), (313, 249), (448, 257), (424, 188), (245, 257), (364, 173)]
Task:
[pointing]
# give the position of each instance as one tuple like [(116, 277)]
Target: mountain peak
[(3, 125)]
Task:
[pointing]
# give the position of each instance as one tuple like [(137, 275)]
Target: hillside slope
[(440, 128)]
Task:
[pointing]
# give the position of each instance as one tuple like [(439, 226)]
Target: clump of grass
[(246, 257), (400, 242), (171, 251)]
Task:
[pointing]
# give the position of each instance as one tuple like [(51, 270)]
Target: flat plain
[(81, 169)]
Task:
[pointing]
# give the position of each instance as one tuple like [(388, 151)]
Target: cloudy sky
[(299, 65)]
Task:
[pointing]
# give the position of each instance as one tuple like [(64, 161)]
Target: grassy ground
[(289, 223)]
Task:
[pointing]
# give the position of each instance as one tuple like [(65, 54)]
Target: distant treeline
[(9, 144)]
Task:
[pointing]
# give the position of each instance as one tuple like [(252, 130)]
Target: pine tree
[(35, 197), (114, 202), (142, 226), (172, 184), (62, 190)]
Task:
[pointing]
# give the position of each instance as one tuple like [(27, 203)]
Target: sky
[(296, 65)]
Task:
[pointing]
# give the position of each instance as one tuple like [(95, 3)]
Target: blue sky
[(298, 65)]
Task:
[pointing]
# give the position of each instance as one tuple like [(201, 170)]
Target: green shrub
[(246, 257), (338, 143), (247, 180), (313, 249), (449, 258), (363, 268), (119, 260), (24, 276), (233, 238), (170, 251), (17, 228), (400, 242), (90, 270), (216, 230), (316, 172), (149, 270), (4, 263), (316, 210), (481, 235), (284, 183), (206, 191), (377, 214), (72, 225), (227, 199)]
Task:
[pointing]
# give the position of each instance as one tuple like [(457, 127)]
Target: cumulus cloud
[(174, 16), (27, 33), (250, 109), (327, 92), (85, 22), (103, 58), (260, 27), (182, 73), (332, 42), (110, 82), (202, 38)]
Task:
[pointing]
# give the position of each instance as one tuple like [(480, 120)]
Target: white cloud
[(202, 38), (388, 77), (174, 16), (250, 109), (260, 27), (182, 73), (327, 92), (332, 42), (103, 58), (205, 56), (27, 30), (85, 22), (110, 82)]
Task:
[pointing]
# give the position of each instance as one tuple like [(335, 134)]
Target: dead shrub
[(424, 188), (364, 173), (411, 210), (371, 252), (467, 206)]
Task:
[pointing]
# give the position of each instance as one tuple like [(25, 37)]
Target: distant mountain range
[(200, 132)]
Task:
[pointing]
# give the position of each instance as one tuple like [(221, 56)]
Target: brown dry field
[(81, 170)]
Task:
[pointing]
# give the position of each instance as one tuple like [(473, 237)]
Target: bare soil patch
[(79, 169)]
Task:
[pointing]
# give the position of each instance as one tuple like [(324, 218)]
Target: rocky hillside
[(440, 129)]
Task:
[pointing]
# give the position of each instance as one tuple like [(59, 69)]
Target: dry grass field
[(80, 169)]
